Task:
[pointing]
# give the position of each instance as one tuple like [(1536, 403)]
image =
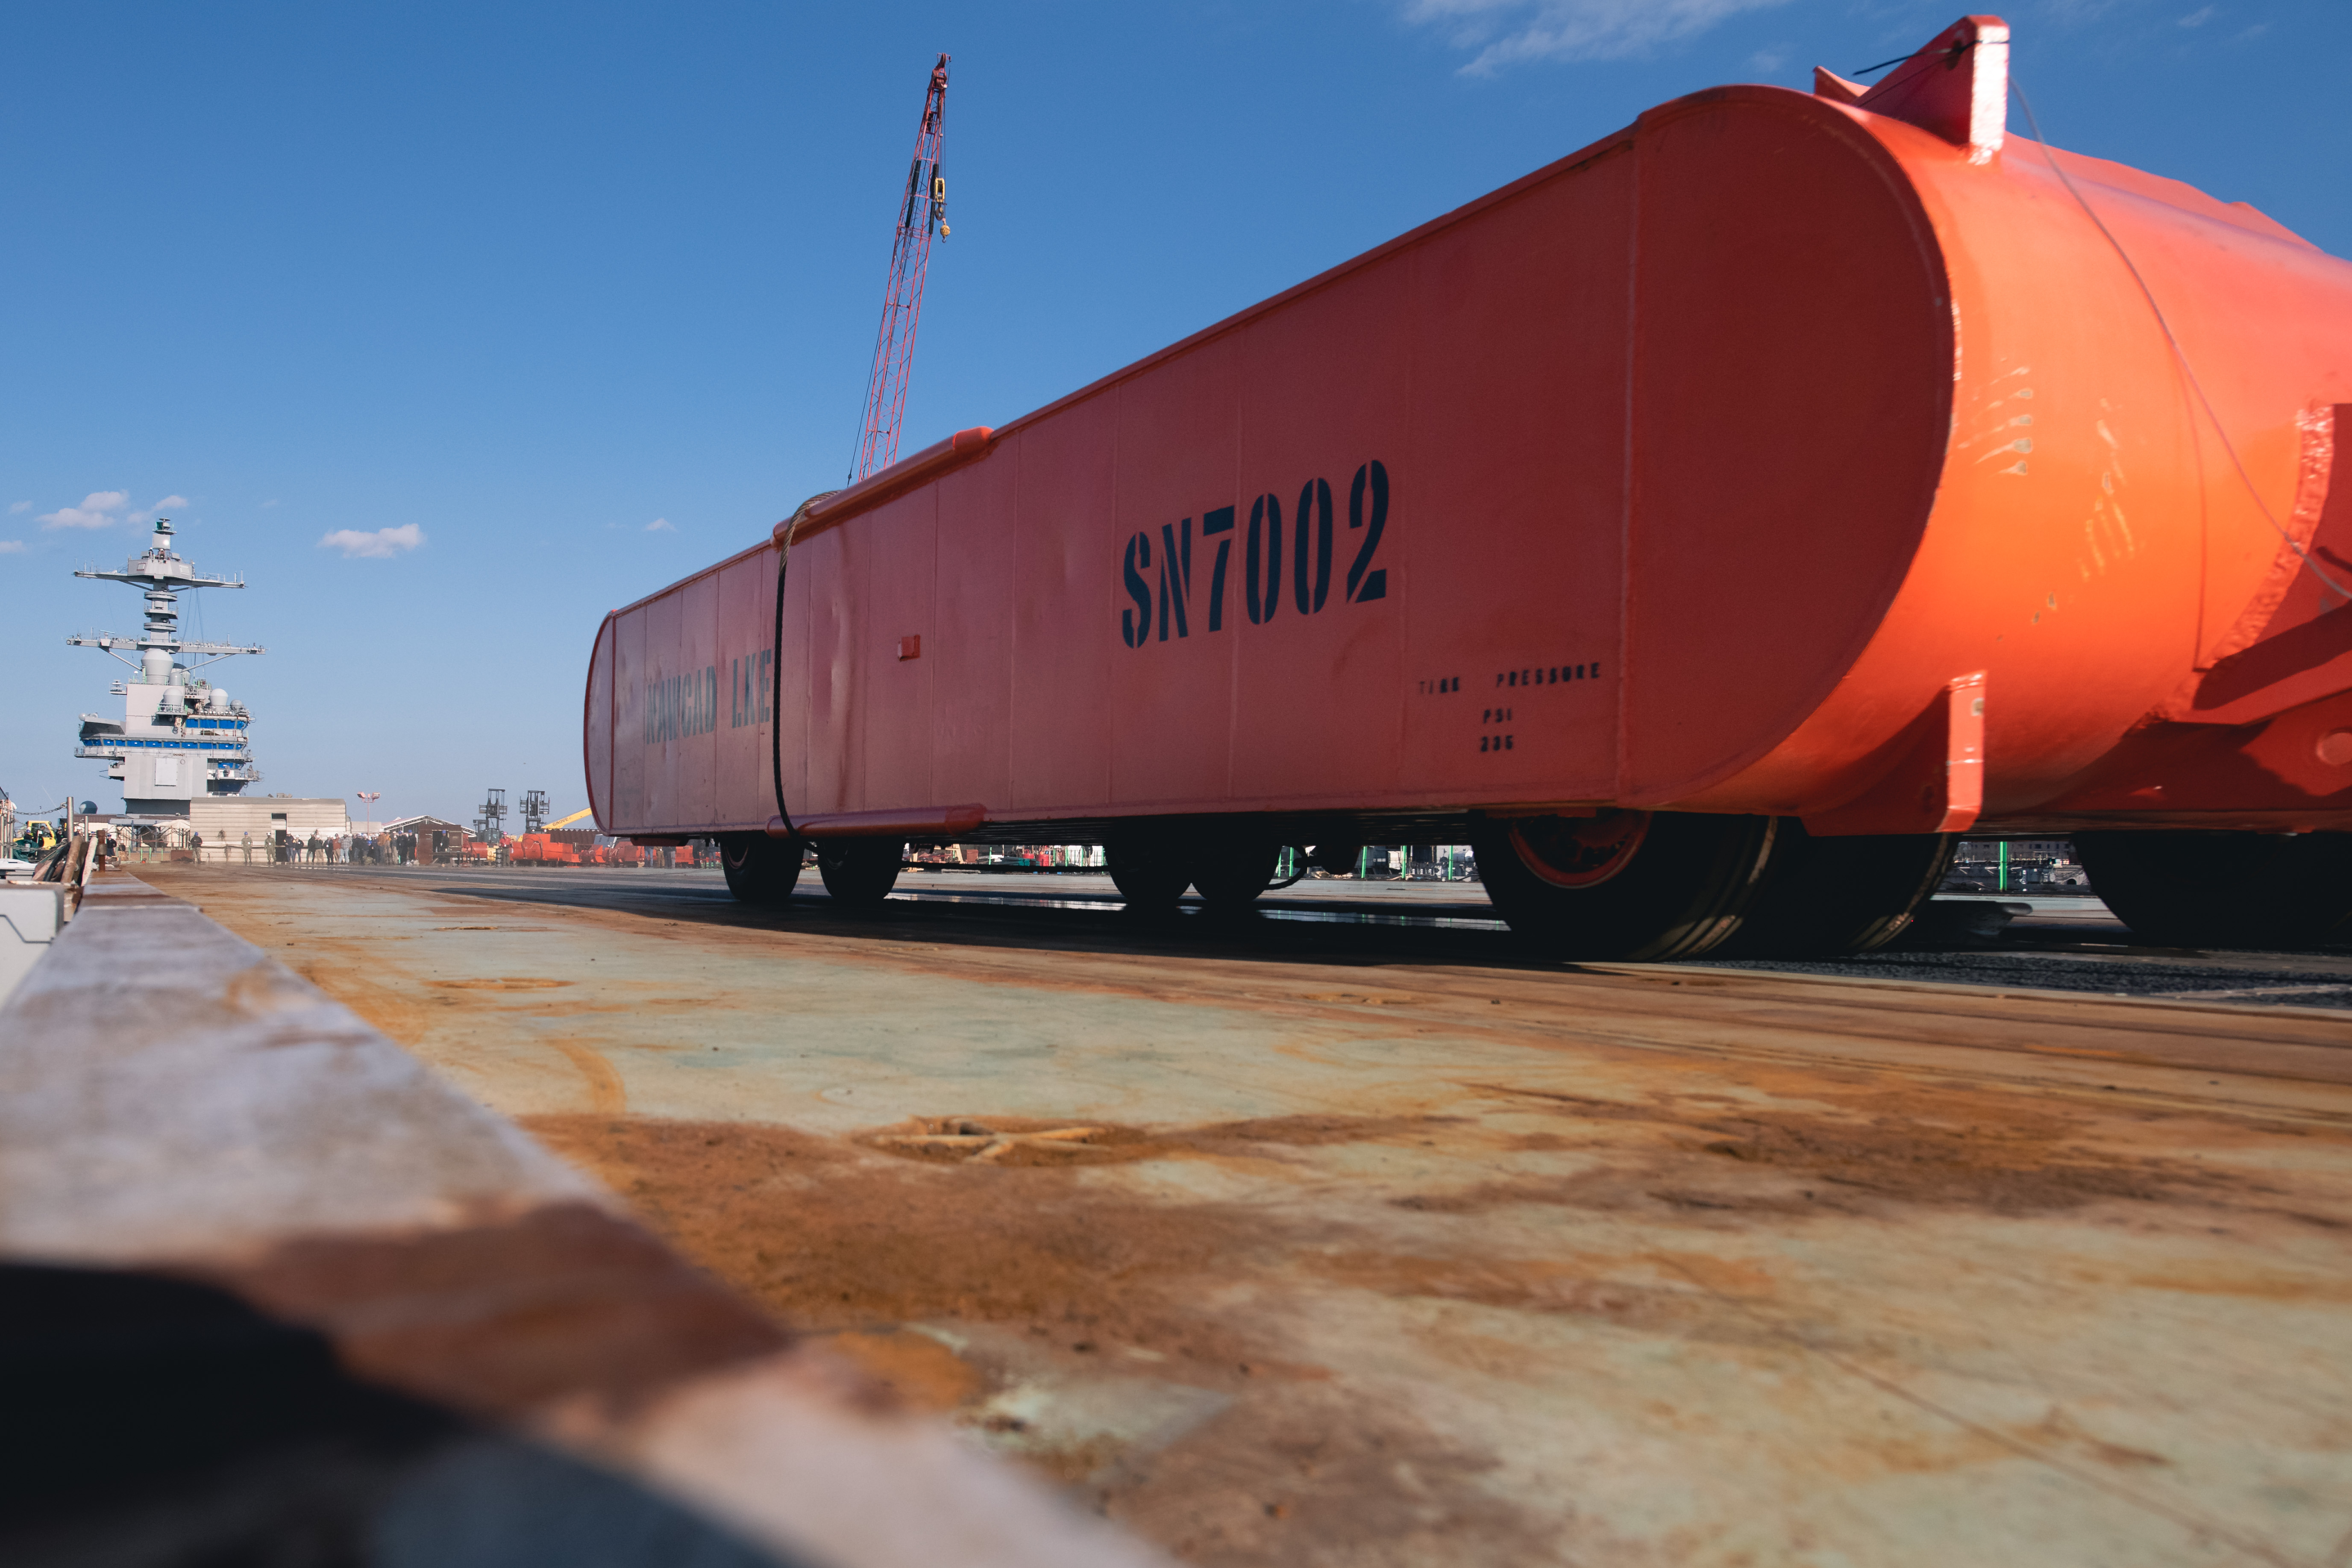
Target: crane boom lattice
[(922, 213)]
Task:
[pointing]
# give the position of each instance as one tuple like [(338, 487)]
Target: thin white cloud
[(1505, 32), (2199, 18), (168, 503), (11, 547), (661, 525), (383, 543), (97, 511), (15, 507)]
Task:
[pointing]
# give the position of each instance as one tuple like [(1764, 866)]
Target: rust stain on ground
[(1945, 1147), (919, 1370), (1033, 1141), (851, 1245), (1581, 1211), (894, 1241), (606, 1095)]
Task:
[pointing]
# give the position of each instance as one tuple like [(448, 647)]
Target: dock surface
[(1328, 1240)]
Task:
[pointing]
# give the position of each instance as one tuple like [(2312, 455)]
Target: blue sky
[(575, 300)]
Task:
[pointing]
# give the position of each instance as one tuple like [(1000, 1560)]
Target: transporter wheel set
[(1652, 885)]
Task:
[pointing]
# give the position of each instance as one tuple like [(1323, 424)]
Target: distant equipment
[(922, 212), (534, 810), (490, 826)]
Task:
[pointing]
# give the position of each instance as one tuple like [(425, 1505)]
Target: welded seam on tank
[(776, 661)]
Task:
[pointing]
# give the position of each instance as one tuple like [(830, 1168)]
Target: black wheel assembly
[(760, 869), (1150, 868), (1231, 873), (1824, 898), (1623, 884), (859, 872), (2224, 889)]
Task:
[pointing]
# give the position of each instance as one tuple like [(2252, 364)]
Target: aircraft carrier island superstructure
[(179, 737)]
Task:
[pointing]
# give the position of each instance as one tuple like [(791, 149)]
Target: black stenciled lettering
[(1175, 579), (1362, 586), (1507, 742), (1314, 496), (1263, 565), (1481, 742), (1214, 523), (1135, 624)]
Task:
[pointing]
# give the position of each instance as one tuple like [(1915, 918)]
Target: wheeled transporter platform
[(1708, 527)]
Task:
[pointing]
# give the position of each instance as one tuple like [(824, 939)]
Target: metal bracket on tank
[(1937, 782), (1957, 86)]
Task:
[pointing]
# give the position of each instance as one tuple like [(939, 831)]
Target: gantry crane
[(922, 213)]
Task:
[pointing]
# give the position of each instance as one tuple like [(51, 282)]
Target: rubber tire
[(2188, 889), (859, 872), (1831, 898), (760, 869), (1231, 873), (1151, 871), (1680, 895)]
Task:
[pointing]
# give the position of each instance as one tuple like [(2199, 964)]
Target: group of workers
[(282, 848)]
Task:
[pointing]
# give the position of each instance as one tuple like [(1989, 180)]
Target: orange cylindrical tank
[(1837, 459)]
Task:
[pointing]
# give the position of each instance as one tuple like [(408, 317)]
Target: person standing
[(248, 845)]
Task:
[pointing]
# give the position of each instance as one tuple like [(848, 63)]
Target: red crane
[(921, 213)]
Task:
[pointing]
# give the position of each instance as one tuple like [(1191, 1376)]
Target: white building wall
[(224, 820)]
